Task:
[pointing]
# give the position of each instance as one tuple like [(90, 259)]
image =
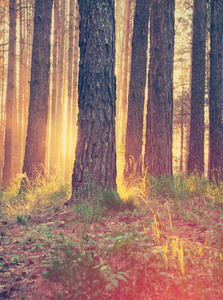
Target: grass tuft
[(112, 201), (161, 237)]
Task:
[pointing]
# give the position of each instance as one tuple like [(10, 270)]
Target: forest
[(111, 149)]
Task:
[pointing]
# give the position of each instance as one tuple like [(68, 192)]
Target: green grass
[(170, 248), (47, 194)]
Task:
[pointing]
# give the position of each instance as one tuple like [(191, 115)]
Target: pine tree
[(95, 160), (39, 91), (158, 148)]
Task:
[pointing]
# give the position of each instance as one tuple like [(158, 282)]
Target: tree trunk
[(196, 142), (2, 107), (10, 93), (134, 131), (59, 113), (15, 134), (158, 148), (70, 73), (75, 87), (181, 135), (125, 71), (21, 83), (95, 161), (54, 89), (120, 33), (39, 90), (216, 130), (28, 33)]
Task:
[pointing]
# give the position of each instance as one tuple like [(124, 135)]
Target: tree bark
[(21, 83), (215, 110), (70, 73), (53, 157), (95, 161), (75, 86), (10, 93), (120, 26), (2, 106), (125, 70), (158, 148), (59, 112), (196, 142), (39, 91), (134, 130)]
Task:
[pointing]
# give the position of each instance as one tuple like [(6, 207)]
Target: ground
[(24, 246)]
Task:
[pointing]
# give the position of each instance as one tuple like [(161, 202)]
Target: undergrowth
[(157, 261)]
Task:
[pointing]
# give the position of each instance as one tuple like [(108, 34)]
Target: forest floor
[(192, 232), (22, 278)]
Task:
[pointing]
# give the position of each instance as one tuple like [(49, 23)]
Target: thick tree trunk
[(134, 131), (10, 93), (39, 91), (158, 148), (196, 142), (216, 130), (95, 161)]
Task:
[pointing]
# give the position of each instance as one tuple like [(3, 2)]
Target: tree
[(2, 81), (54, 88), (69, 93), (21, 83), (10, 93), (125, 58), (39, 90), (158, 148), (134, 131), (75, 85), (60, 70), (95, 160), (215, 110), (196, 142)]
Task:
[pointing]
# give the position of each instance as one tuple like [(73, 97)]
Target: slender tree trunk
[(215, 110), (10, 93), (75, 87), (64, 102), (21, 84), (182, 122), (54, 89), (182, 135), (2, 124), (95, 161), (158, 148), (125, 71), (120, 32), (207, 134), (28, 33), (196, 143), (15, 134), (39, 91), (59, 113), (70, 73), (134, 131)]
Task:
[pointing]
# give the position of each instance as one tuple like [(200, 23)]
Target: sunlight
[(64, 132)]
